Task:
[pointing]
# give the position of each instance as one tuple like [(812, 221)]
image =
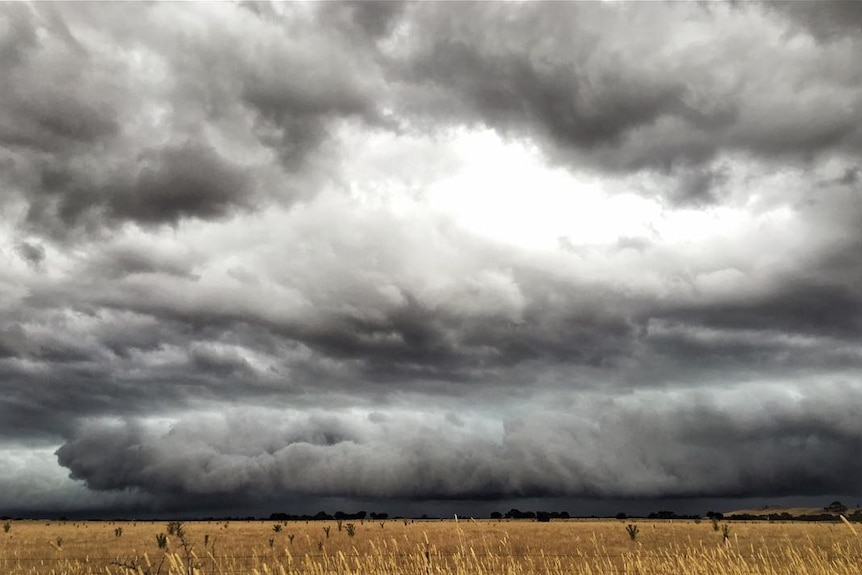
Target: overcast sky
[(424, 253)]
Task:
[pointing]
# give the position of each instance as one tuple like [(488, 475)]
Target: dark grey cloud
[(124, 260), (20, 35), (828, 21), (159, 186), (806, 307), (93, 141), (629, 447), (275, 249), (294, 98), (11, 340), (183, 181), (32, 253), (556, 95), (509, 89), (361, 327), (699, 185), (50, 100), (603, 88), (173, 353)]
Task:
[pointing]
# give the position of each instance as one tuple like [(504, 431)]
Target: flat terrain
[(396, 547), (794, 511)]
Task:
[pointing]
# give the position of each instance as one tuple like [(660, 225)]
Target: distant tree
[(836, 507), (662, 515), (496, 515), (622, 516)]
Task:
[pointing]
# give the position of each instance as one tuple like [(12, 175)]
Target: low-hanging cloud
[(637, 446)]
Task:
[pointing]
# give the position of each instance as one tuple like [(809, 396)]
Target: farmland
[(397, 547)]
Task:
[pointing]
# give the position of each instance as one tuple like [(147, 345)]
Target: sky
[(415, 256)]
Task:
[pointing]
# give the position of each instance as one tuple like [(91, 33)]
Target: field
[(396, 547)]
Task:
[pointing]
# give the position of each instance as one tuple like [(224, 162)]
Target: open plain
[(406, 547)]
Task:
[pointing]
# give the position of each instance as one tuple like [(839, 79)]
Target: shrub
[(176, 528), (632, 530)]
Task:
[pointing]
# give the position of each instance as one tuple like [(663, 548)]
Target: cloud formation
[(640, 445), (418, 251), (599, 91)]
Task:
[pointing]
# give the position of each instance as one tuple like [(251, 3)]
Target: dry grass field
[(428, 547)]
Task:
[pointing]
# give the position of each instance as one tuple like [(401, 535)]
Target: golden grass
[(431, 547)]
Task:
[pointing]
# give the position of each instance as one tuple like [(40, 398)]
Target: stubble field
[(396, 547)]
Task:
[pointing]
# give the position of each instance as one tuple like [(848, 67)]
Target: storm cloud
[(631, 446), (635, 88), (423, 252)]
